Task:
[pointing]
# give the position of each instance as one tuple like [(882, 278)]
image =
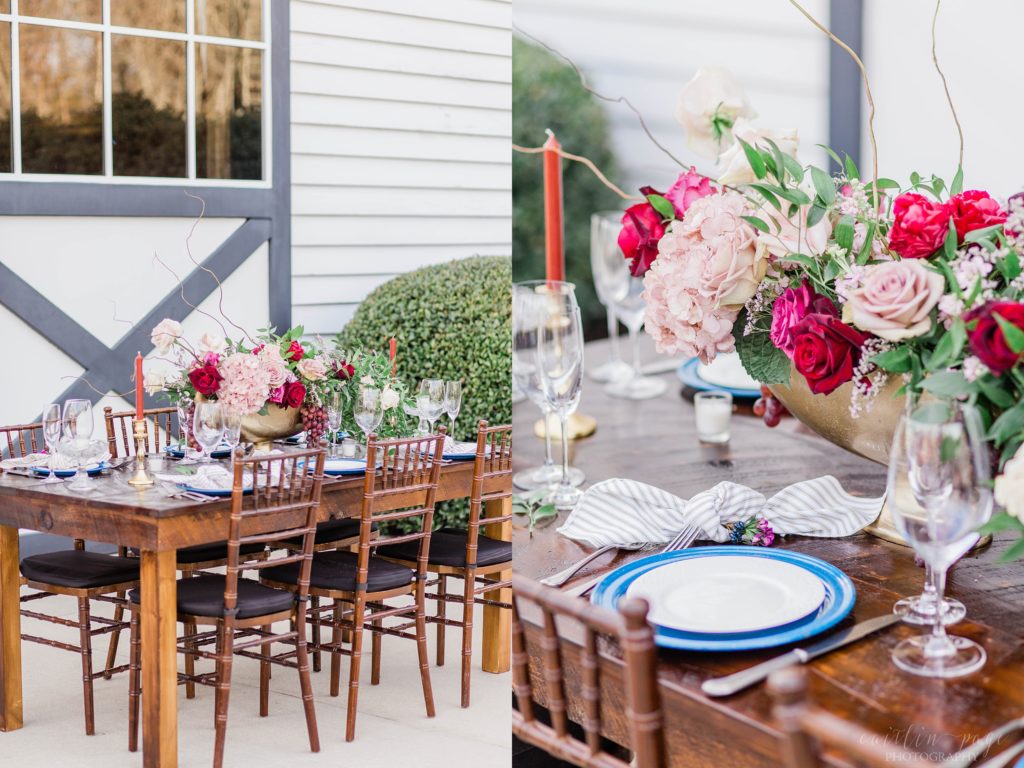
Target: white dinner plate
[(728, 594), (727, 371)]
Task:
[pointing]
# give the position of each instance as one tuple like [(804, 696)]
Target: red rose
[(295, 351), (344, 371), (793, 306), (294, 394), (825, 351), (206, 379), (987, 340), (641, 231), (919, 225), (974, 209)]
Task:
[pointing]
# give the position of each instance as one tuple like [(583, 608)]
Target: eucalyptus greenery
[(534, 509)]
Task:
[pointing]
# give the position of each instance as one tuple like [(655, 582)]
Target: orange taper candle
[(138, 385), (393, 353), (553, 232)]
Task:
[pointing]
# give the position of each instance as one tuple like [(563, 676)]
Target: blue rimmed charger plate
[(840, 596), (65, 473), (177, 452), (689, 374)]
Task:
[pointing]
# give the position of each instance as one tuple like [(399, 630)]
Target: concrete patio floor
[(392, 727)]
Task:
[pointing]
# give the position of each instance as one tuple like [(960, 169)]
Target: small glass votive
[(349, 448), (155, 462), (714, 414)]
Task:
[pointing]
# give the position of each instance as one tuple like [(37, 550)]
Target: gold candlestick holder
[(579, 426), (140, 476)]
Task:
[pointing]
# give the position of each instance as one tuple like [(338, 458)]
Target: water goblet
[(629, 305), (430, 400), (452, 402), (53, 425), (78, 426), (185, 413), (605, 265), (208, 428), (368, 411), (938, 491), (334, 411), (232, 428)]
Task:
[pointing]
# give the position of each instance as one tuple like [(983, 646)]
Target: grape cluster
[(769, 408), (314, 421)]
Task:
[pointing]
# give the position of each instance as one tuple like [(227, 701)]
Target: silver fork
[(558, 579), (686, 536)]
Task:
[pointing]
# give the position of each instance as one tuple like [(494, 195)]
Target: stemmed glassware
[(626, 292), (184, 405), (606, 261), (368, 411), (560, 361), (208, 428), (452, 403), (232, 428), (430, 400), (939, 495), (334, 411), (528, 302), (77, 443), (53, 425)]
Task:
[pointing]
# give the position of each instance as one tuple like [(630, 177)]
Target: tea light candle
[(348, 448), (713, 413)]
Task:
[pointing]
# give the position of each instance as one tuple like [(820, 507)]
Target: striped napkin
[(618, 512), (42, 460)]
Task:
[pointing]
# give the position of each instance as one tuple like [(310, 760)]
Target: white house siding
[(401, 122)]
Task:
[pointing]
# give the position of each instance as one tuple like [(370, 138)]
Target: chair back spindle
[(491, 469), (20, 440), (121, 430)]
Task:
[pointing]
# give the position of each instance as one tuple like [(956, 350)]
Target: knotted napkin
[(42, 460), (618, 512)]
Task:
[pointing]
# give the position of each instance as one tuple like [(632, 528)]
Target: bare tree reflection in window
[(238, 19), (5, 98), (69, 10), (229, 133), (167, 15)]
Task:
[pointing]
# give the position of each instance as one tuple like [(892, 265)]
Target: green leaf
[(865, 250), (762, 360), (915, 178), (794, 168), (1010, 265), (1014, 336), (831, 153), (1000, 523), (943, 266), (796, 196), (754, 158), (884, 183), (780, 161), (1015, 552), (824, 185), (946, 384), (816, 214), (844, 232), (985, 233), (662, 206), (851, 169), (950, 346), (958, 182), (1007, 425), (756, 223), (768, 193), (949, 244), (895, 360), (996, 394)]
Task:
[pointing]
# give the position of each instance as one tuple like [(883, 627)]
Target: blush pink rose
[(689, 187), (895, 299), (792, 306), (919, 226)]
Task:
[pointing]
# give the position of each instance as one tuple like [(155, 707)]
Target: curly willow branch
[(945, 85), (181, 291), (95, 389), (867, 87), (599, 95), (579, 159)]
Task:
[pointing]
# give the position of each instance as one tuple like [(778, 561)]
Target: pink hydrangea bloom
[(246, 384)]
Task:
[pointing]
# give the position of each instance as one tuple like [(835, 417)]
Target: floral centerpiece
[(829, 279)]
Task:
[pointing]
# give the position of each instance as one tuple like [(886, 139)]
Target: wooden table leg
[(498, 621), (10, 631), (159, 659)]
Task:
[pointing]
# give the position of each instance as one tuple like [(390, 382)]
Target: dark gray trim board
[(281, 238), (73, 198), (845, 88)]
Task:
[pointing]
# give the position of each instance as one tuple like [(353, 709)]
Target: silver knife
[(730, 684)]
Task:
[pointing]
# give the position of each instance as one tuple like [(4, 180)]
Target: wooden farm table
[(654, 442), (117, 513)]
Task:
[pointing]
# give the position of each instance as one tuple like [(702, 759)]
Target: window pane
[(149, 14), (229, 131), (5, 98), (61, 100), (5, 6), (240, 19), (148, 82), (75, 10)]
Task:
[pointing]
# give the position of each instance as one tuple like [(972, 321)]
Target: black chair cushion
[(204, 596), (334, 530), (337, 570), (79, 570), (448, 547), (204, 553)]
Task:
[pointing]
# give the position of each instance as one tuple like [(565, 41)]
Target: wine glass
[(605, 263), (334, 411), (53, 425), (452, 402), (626, 294), (184, 407), (939, 494), (430, 400), (528, 300), (208, 428), (368, 411), (232, 428), (560, 362), (78, 426)]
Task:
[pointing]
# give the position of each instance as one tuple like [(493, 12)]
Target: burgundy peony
[(295, 351), (919, 225), (277, 395), (294, 394), (642, 228), (826, 350), (987, 340), (793, 306), (974, 209), (258, 348), (206, 379), (344, 371), (688, 187)]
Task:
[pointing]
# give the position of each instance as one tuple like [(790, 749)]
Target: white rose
[(389, 399), (709, 105), (736, 167), (312, 368), (165, 334), (154, 381), (788, 235), (211, 342), (1009, 490)]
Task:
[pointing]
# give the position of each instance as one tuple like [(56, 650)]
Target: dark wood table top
[(654, 441)]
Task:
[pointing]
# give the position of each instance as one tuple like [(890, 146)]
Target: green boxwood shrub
[(452, 321)]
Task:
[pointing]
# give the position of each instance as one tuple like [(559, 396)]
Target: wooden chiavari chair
[(85, 576), (281, 502), (403, 487), (630, 630), (121, 430), (475, 558)]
